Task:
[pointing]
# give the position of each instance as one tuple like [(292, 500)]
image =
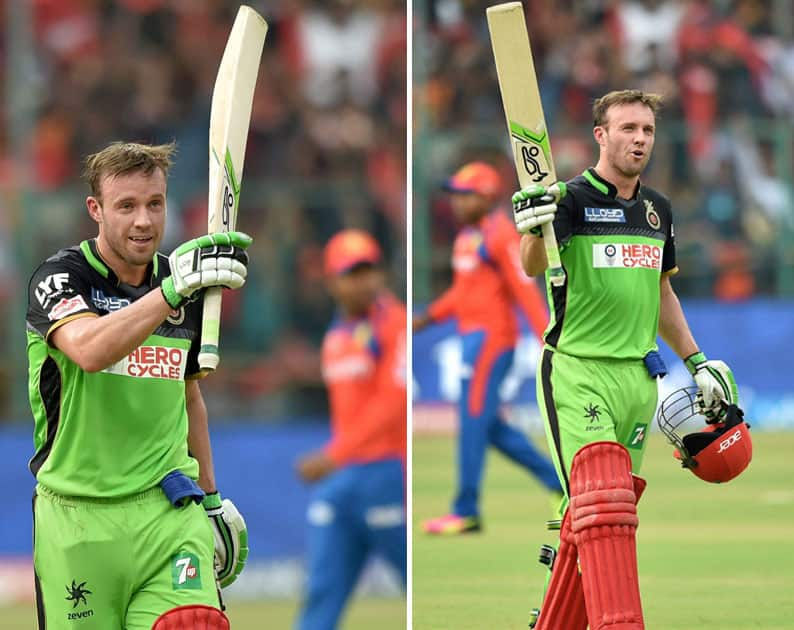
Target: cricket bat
[(230, 116), (524, 112)]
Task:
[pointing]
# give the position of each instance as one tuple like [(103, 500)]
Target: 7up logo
[(185, 571), (637, 436)]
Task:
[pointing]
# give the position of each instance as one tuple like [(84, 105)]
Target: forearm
[(673, 327), (95, 343), (198, 436), (533, 255)]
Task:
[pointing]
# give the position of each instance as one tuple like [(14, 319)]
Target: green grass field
[(712, 557), (363, 614)]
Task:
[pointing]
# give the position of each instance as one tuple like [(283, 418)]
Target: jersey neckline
[(91, 253)]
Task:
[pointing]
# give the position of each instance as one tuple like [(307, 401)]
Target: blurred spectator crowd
[(326, 151), (724, 140)]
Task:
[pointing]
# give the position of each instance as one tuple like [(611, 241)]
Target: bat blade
[(232, 100), (526, 123)]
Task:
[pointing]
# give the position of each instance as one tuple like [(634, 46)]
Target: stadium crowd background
[(724, 139), (326, 151)]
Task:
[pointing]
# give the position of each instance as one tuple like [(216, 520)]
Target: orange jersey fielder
[(488, 282), (364, 369)]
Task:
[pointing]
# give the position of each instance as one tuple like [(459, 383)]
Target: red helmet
[(717, 453)]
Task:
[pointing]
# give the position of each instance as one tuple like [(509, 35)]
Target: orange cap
[(348, 248), (475, 177)]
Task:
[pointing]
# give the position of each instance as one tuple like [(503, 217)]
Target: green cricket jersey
[(614, 252), (119, 431)]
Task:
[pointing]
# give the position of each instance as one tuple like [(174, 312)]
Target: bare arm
[(673, 326), (94, 343), (533, 255), (198, 435)]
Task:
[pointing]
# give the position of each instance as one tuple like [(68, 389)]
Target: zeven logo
[(50, 286), (185, 571), (730, 441)]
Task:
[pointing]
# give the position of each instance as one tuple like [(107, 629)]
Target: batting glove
[(536, 205), (213, 260), (716, 386), (231, 538)]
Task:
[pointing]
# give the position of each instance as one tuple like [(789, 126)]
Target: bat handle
[(209, 354), (556, 272)]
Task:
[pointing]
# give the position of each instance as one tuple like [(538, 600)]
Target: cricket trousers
[(355, 512), (589, 400), (486, 361), (118, 564)]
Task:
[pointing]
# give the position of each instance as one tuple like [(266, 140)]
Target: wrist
[(168, 290), (212, 500), (694, 360)]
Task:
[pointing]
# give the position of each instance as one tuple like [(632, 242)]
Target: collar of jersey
[(605, 187), (91, 253)]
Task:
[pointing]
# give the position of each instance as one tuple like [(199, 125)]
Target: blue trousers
[(481, 424), (356, 511)]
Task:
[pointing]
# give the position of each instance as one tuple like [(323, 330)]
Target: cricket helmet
[(717, 453), (475, 177)]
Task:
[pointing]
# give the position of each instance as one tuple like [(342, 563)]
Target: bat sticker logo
[(531, 164)]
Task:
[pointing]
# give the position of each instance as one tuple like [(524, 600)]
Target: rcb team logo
[(650, 214)]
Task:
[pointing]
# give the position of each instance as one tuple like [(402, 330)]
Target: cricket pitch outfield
[(711, 557)]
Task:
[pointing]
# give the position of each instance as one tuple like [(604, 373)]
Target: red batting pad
[(196, 617), (604, 522), (563, 606)]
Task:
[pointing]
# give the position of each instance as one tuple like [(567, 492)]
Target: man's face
[(627, 137), (356, 290), (468, 207), (131, 216)]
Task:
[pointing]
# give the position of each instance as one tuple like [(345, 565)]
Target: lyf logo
[(51, 285), (730, 441)]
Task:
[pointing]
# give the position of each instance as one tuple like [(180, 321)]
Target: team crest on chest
[(651, 216)]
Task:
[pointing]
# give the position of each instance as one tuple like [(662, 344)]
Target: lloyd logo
[(152, 362), (604, 215), (627, 256), (730, 441)]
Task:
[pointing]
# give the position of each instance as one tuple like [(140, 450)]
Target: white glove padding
[(213, 260), (536, 205), (716, 386), (231, 538)]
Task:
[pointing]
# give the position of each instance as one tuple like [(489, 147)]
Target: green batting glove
[(536, 205), (716, 386), (231, 538), (214, 260)]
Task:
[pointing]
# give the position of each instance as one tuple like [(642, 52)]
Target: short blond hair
[(119, 158), (623, 97)]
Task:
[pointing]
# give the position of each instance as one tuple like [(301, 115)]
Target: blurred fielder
[(597, 383), (487, 286), (358, 504), (122, 452)]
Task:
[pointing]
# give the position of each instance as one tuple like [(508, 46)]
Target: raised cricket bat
[(524, 112), (232, 99)]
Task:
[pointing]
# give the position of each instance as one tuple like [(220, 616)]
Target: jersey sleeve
[(504, 251), (385, 411), (563, 218), (57, 293), (445, 305), (192, 369), (669, 265)]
